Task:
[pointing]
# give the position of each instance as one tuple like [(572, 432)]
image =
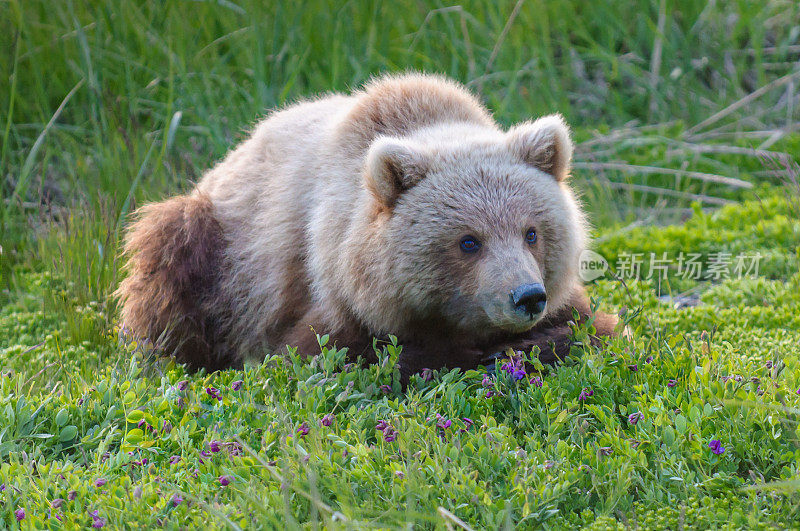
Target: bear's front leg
[(347, 333), (553, 335), (415, 358)]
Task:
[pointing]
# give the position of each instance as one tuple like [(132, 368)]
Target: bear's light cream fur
[(344, 214)]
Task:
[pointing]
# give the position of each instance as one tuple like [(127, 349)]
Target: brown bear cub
[(402, 209)]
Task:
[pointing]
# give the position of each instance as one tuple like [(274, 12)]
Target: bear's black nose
[(530, 298)]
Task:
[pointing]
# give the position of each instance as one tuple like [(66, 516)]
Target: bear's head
[(479, 229)]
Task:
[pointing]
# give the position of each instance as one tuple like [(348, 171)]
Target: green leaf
[(68, 433), (668, 436), (680, 424), (135, 416), (62, 417), (135, 436)]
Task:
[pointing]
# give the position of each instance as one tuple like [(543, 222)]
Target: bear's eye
[(469, 244), (530, 236)]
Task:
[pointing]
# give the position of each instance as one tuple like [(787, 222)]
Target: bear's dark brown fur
[(174, 251)]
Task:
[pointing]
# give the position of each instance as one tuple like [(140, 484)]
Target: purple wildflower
[(633, 418), (100, 482), (672, 383), (57, 503), (585, 394), (19, 514), (175, 459), (302, 431), (487, 381), (427, 374), (515, 367), (468, 422), (716, 446), (389, 434), (237, 385), (443, 422), (141, 424), (166, 427), (633, 368), (214, 446), (225, 480), (489, 393), (399, 474), (205, 453), (537, 381), (235, 449), (213, 392), (649, 359), (182, 385), (798, 391), (177, 500), (386, 389), (606, 451), (71, 495), (97, 521), (327, 420)]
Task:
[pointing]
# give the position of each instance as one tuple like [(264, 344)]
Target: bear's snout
[(530, 299)]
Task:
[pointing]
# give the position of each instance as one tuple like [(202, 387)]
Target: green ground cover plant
[(685, 114)]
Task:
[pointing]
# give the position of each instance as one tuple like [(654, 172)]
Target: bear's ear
[(393, 166), (544, 144)]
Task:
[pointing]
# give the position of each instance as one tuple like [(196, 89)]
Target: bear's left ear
[(544, 144), (393, 165)]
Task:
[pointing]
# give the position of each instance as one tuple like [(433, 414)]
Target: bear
[(401, 209)]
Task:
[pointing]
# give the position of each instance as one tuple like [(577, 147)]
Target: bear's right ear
[(393, 166), (544, 144)]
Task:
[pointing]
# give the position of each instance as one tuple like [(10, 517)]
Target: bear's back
[(398, 105)]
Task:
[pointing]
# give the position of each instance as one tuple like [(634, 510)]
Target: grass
[(685, 115)]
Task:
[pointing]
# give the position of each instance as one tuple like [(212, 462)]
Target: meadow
[(686, 120)]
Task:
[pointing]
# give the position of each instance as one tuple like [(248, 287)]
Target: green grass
[(77, 407), (106, 104)]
